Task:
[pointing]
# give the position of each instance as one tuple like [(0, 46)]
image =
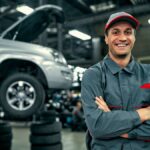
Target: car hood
[(29, 27)]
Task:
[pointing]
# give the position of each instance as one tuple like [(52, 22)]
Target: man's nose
[(122, 37)]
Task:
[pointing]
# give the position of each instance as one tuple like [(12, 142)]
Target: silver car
[(28, 71)]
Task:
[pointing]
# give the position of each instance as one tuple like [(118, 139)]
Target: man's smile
[(121, 44)]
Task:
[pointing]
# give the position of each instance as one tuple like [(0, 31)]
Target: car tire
[(47, 147), (43, 128), (21, 95), (48, 116), (5, 136), (45, 139), (6, 146), (5, 128)]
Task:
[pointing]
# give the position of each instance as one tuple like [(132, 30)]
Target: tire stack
[(45, 136), (5, 136)]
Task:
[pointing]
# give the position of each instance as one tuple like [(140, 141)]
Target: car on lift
[(29, 71)]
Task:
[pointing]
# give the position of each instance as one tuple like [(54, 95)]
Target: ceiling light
[(149, 21), (79, 35), (24, 9), (102, 6)]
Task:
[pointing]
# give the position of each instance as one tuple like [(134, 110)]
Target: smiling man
[(116, 108)]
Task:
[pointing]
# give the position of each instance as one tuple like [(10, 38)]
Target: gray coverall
[(121, 89)]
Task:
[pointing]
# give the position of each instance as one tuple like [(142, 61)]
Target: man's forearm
[(144, 114)]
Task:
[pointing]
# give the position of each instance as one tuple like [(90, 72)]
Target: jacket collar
[(115, 68)]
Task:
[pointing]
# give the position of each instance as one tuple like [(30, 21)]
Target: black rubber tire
[(45, 139), (47, 147), (39, 92), (5, 146), (48, 116), (44, 128), (5, 138), (5, 128)]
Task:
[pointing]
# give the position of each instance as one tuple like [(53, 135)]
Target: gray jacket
[(121, 89)]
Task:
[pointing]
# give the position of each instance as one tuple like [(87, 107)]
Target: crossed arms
[(144, 113), (105, 124)]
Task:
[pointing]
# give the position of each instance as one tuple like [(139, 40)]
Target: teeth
[(121, 45)]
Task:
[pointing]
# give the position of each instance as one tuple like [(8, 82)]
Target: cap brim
[(131, 20)]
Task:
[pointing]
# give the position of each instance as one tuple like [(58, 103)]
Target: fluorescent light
[(79, 35), (24, 9), (149, 21)]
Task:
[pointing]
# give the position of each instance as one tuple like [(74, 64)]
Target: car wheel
[(21, 95)]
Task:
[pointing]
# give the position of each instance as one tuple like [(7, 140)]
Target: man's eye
[(128, 32), (115, 32)]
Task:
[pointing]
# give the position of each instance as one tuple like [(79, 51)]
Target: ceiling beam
[(80, 5), (135, 10)]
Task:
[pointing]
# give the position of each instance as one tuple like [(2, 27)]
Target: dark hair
[(106, 32)]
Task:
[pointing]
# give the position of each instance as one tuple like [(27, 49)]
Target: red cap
[(122, 16)]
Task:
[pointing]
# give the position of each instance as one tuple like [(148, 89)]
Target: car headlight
[(58, 57)]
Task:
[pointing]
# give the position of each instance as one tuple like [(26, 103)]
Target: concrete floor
[(71, 140)]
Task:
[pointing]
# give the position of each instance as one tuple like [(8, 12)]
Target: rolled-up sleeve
[(103, 124)]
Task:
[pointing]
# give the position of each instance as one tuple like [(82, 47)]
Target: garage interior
[(88, 17)]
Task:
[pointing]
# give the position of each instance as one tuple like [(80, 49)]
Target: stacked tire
[(5, 136), (45, 136)]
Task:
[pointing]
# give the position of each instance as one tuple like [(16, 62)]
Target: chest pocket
[(140, 95), (142, 98)]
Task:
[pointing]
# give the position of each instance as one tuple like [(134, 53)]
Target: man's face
[(120, 39)]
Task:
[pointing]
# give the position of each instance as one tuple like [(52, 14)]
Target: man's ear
[(106, 39)]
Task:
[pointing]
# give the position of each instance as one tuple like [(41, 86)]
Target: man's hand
[(144, 113), (102, 104), (126, 136)]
